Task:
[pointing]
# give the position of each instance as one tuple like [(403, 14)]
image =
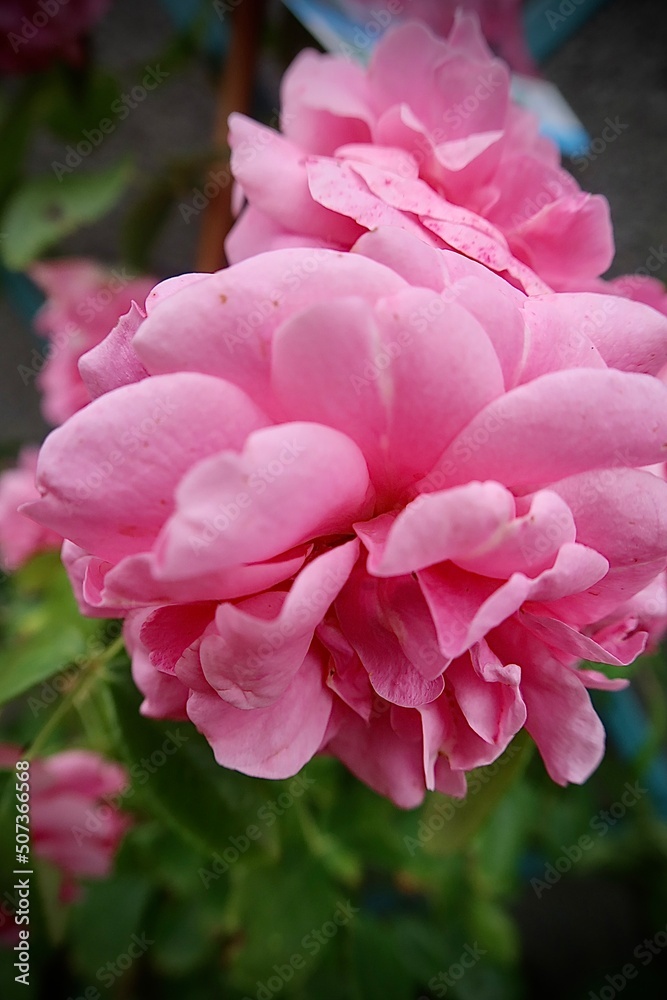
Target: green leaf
[(44, 629), (450, 825), (46, 209), (503, 839), (173, 767), (282, 911), (377, 968), (182, 941), (16, 124), (496, 931), (78, 101), (102, 925)]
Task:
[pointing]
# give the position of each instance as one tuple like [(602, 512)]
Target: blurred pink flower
[(428, 140), (374, 503), (75, 821), (20, 537), (83, 303), (500, 21), (34, 33)]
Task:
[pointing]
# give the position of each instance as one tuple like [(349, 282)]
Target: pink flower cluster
[(500, 22), (83, 302), (378, 503), (74, 822), (425, 139), (21, 538)]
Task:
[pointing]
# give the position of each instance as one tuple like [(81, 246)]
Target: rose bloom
[(20, 537), (378, 504), (426, 139), (500, 21), (34, 33), (75, 824), (83, 302)]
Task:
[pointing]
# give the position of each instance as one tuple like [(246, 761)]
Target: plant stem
[(234, 94)]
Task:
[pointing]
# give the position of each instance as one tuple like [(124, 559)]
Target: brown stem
[(234, 94)]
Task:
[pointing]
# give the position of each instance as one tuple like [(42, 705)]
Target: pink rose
[(500, 22), (373, 503), (74, 817), (84, 301), (20, 537), (425, 139), (33, 33)]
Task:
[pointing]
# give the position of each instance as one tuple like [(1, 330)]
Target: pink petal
[(436, 527), (629, 335), (243, 305), (561, 424), (271, 742), (260, 643), (113, 362), (397, 386), (291, 483), (272, 173), (137, 440)]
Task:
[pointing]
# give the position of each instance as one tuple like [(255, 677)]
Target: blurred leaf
[(44, 630), (425, 947), (282, 912), (185, 786), (503, 839), (494, 928), (46, 209), (17, 120), (78, 102), (103, 923), (328, 849), (181, 936), (330, 980), (450, 826), (378, 971)]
